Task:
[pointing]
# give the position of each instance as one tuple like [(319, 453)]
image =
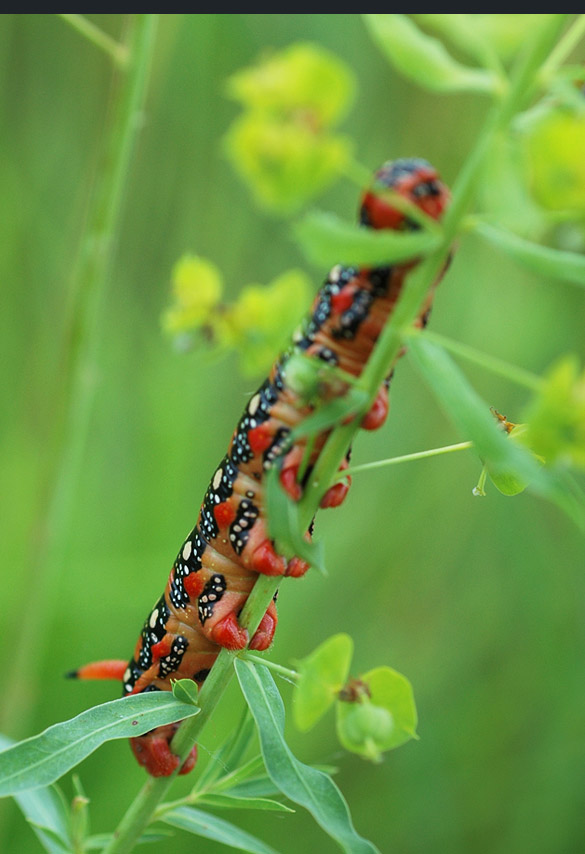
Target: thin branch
[(118, 52)]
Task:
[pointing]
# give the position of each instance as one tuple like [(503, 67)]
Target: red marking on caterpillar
[(259, 439), (220, 559), (224, 514)]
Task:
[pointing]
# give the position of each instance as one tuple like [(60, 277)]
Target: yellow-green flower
[(283, 145), (556, 418), (197, 287)]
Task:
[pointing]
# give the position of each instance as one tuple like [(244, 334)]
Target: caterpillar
[(220, 559)]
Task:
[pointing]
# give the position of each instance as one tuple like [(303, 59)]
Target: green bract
[(259, 324), (322, 674), (285, 162), (554, 149), (556, 418), (283, 145), (197, 289), (304, 77), (384, 720)]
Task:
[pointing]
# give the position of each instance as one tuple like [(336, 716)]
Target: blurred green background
[(480, 602)]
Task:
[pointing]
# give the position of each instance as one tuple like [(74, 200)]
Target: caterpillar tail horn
[(112, 668)]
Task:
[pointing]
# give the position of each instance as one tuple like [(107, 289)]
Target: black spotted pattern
[(170, 663), (351, 319), (240, 528), (212, 593)]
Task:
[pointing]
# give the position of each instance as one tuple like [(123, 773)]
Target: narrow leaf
[(471, 415), (236, 802), (46, 811), (553, 263), (257, 787), (100, 840), (210, 827), (302, 784), (236, 777), (326, 240), (422, 58), (186, 691), (44, 758)]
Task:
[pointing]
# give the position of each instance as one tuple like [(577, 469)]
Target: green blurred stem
[(405, 458), (490, 363), (74, 397), (285, 672), (378, 366), (118, 52), (563, 48)]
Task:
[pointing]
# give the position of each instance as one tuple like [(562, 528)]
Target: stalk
[(75, 395)]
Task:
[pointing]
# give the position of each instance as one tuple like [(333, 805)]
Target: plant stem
[(118, 52), (563, 48), (405, 458), (484, 360), (73, 407), (285, 672)]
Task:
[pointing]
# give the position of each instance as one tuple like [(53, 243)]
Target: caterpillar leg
[(378, 411), (336, 494), (228, 633), (264, 634), (266, 561), (153, 752)]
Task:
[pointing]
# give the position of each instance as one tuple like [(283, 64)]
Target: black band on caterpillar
[(218, 562)]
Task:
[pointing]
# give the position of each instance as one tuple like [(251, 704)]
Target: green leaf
[(422, 58), (284, 525), (384, 721), (186, 691), (552, 263), (236, 777), (327, 240), (47, 813), (210, 827), (44, 758), (258, 787), (224, 763), (472, 417), (100, 840), (236, 802), (322, 674), (462, 31), (300, 783)]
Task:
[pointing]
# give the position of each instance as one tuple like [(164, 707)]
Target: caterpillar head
[(412, 178)]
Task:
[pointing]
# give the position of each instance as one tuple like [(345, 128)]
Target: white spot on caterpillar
[(187, 550), (153, 618), (335, 273), (217, 478), (254, 403)]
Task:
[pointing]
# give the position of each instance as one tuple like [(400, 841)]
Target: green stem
[(378, 366), (490, 363), (563, 48), (118, 52), (405, 458), (285, 672), (73, 406)]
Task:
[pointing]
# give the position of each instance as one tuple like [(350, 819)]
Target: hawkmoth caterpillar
[(220, 559)]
